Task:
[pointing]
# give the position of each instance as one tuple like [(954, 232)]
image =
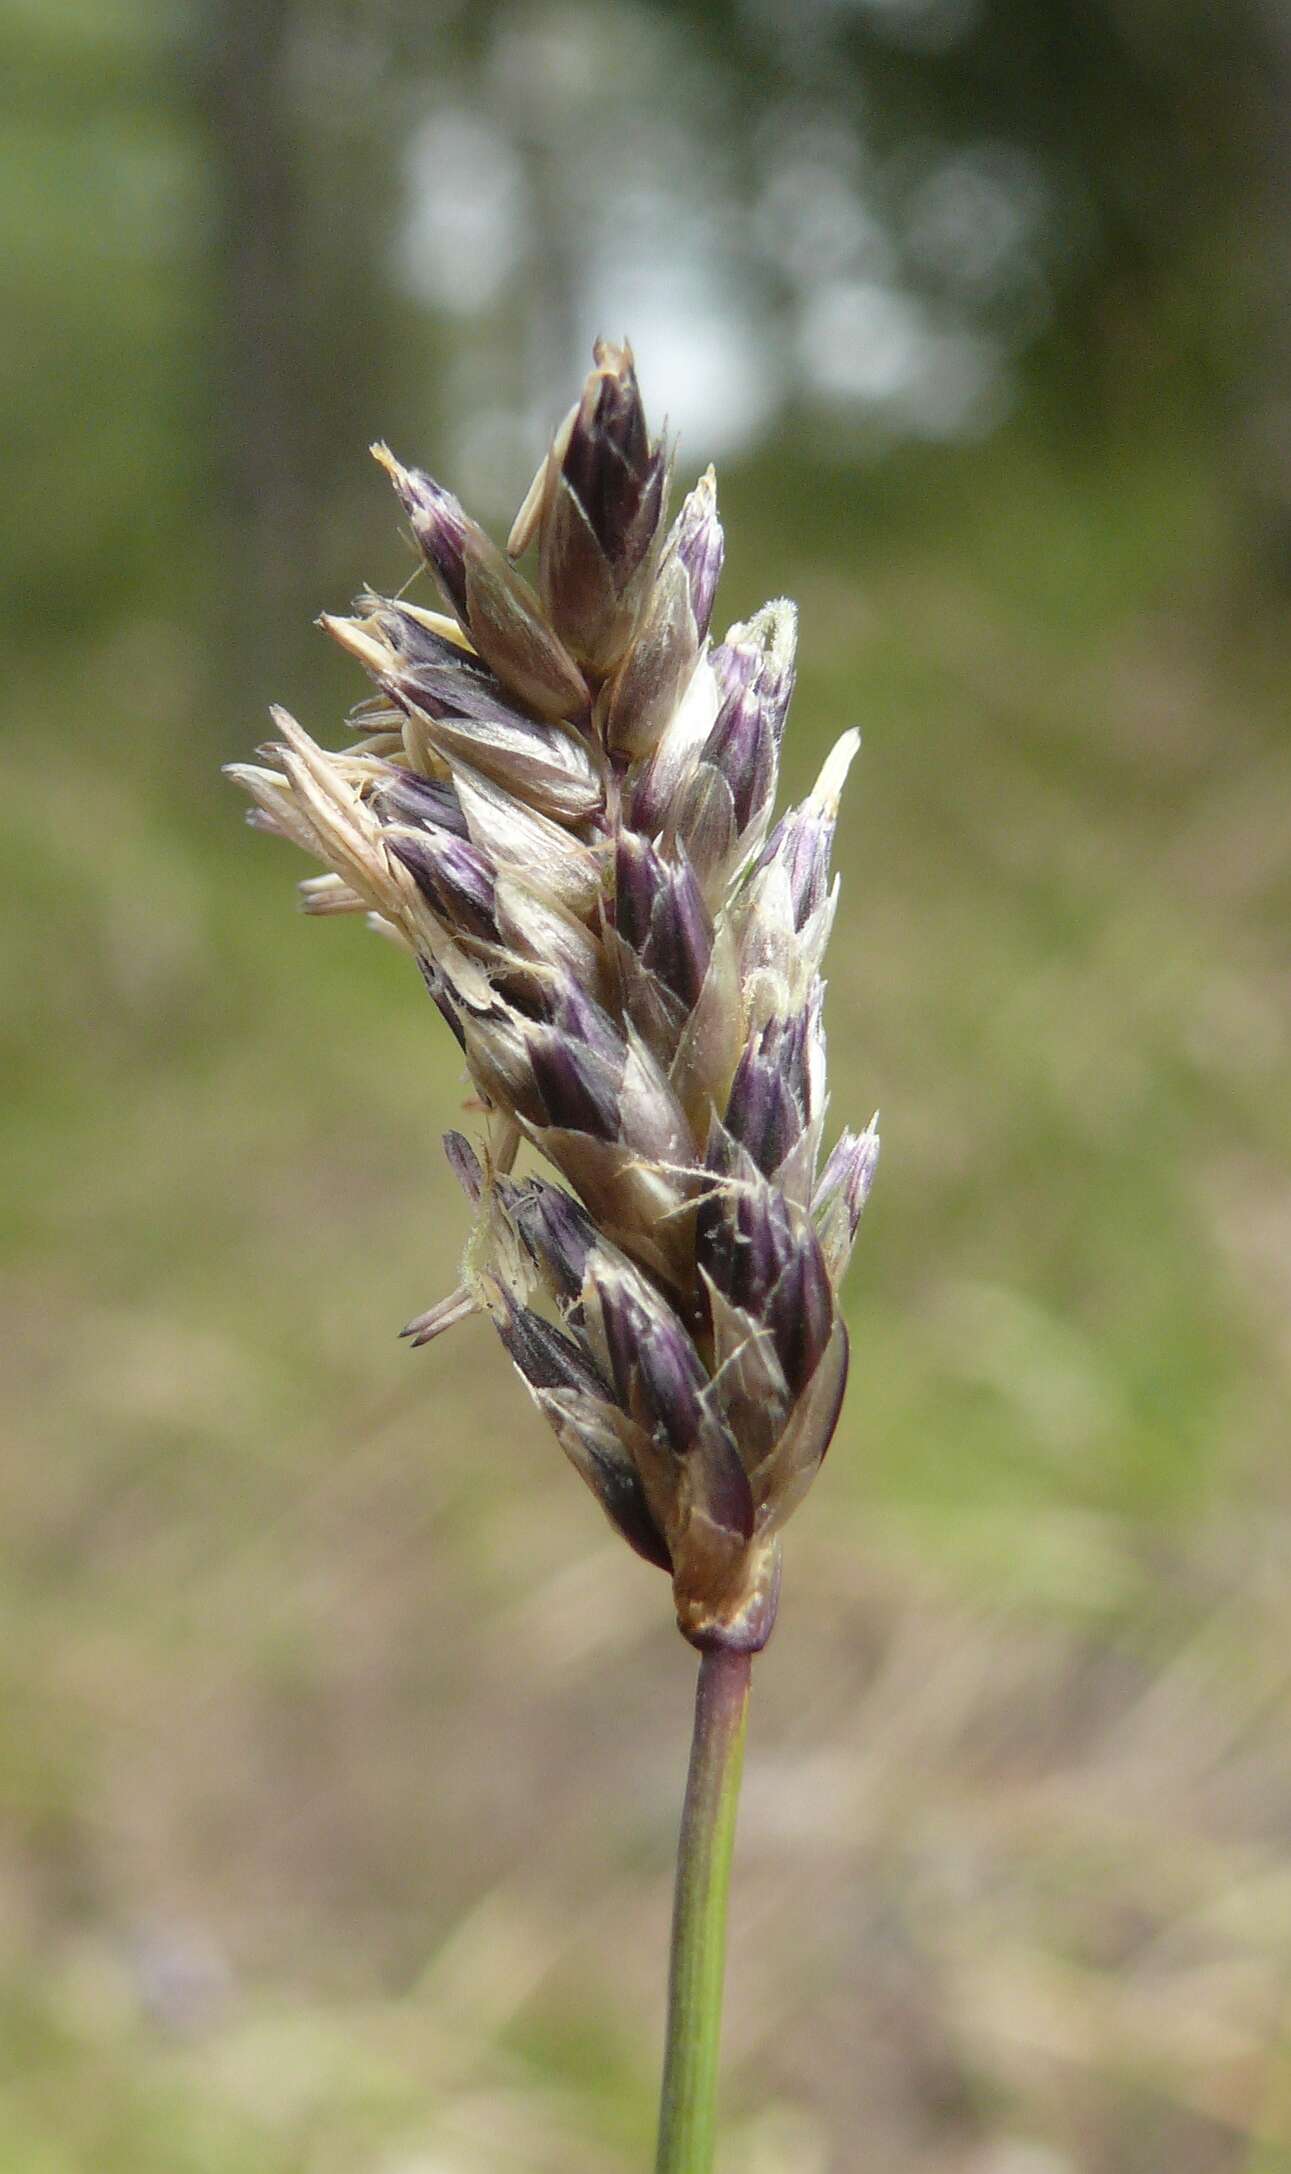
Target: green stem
[(687, 2112)]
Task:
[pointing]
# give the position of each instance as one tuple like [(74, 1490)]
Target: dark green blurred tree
[(200, 211), (1152, 126)]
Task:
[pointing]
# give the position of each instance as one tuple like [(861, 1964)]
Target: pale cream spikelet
[(559, 800)]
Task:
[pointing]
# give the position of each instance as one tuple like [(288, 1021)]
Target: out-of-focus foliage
[(235, 231), (340, 1751)]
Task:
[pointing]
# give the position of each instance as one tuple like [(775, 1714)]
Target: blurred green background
[(341, 1746)]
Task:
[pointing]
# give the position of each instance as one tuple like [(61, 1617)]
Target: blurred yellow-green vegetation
[(341, 1746)]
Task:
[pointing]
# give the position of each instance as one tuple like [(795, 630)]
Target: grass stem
[(687, 2113)]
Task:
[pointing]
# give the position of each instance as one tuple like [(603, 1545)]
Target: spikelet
[(560, 802)]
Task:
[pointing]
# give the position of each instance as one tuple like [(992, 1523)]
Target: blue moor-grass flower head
[(559, 801)]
